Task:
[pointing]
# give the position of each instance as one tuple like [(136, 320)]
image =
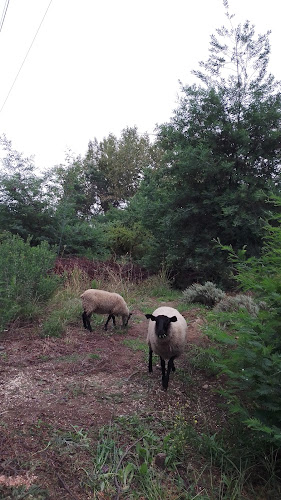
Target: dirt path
[(82, 381)]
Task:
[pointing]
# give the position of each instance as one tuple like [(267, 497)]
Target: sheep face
[(162, 324)]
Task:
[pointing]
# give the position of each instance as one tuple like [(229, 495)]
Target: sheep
[(102, 302), (167, 335)]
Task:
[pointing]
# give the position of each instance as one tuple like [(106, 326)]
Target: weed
[(123, 461), (18, 493), (68, 441)]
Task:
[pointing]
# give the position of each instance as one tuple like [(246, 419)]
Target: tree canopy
[(207, 176), (222, 156)]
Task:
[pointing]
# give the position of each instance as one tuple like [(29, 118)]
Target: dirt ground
[(84, 379)]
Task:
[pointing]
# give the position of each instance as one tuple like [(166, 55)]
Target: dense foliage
[(253, 365), (221, 161), (25, 281), (208, 175)]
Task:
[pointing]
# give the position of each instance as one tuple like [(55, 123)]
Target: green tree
[(222, 156), (75, 227), (24, 203), (114, 167)]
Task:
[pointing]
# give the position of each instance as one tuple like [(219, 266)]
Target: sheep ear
[(173, 319), (150, 316)]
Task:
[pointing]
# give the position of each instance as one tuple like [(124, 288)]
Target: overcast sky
[(98, 66)]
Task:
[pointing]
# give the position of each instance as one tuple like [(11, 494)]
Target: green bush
[(125, 240), (207, 294), (253, 366), (25, 279), (236, 302)]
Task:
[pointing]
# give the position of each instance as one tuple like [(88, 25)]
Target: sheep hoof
[(165, 384)]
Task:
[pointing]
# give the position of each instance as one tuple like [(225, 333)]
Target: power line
[(25, 56), (4, 14)]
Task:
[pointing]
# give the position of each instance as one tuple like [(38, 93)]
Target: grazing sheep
[(102, 302), (167, 335)]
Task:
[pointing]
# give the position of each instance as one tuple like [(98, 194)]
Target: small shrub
[(26, 281), (53, 326), (207, 294), (95, 284), (236, 302), (57, 320)]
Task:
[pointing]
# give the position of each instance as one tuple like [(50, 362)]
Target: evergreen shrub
[(208, 294), (252, 368), (236, 302)]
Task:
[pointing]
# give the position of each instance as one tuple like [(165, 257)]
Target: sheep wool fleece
[(102, 302), (175, 342)]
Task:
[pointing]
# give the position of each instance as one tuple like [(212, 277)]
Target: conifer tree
[(222, 155)]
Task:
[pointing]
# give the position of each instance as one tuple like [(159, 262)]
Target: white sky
[(98, 66)]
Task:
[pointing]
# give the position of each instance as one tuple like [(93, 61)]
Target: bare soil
[(82, 381)]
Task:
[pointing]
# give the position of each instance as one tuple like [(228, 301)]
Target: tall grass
[(65, 306)]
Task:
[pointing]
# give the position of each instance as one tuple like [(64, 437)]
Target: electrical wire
[(4, 14), (12, 86)]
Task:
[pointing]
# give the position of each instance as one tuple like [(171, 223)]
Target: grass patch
[(126, 453), (136, 344), (69, 441), (33, 493), (93, 355), (69, 312)]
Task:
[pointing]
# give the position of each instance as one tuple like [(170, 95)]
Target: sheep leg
[(150, 360), (171, 366), (84, 316), (86, 321), (107, 321), (111, 316), (164, 378)]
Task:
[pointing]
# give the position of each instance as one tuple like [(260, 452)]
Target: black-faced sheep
[(102, 302), (167, 335)]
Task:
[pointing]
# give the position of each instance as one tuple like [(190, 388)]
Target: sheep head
[(162, 324)]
